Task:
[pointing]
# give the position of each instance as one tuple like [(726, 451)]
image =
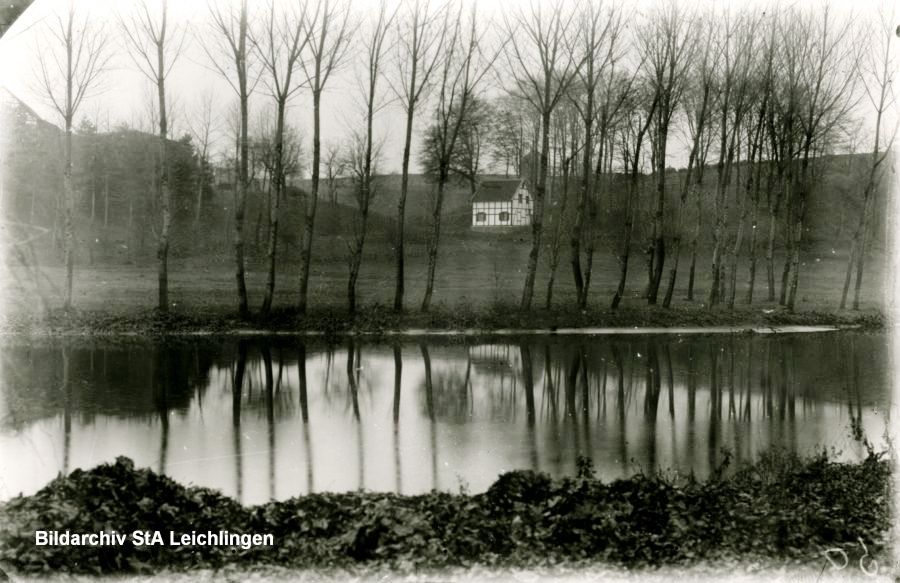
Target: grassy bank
[(781, 509), (378, 319), (479, 283)]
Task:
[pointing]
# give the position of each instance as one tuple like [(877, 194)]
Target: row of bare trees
[(758, 96)]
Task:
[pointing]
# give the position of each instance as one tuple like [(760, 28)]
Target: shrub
[(782, 507)]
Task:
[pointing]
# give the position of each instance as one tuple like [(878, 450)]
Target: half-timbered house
[(502, 203)]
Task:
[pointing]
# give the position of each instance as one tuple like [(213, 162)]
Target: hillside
[(419, 198), (117, 210)]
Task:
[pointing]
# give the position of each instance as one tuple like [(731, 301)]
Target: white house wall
[(492, 212), (522, 211), (519, 213)]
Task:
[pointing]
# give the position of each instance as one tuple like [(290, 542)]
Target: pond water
[(272, 418)]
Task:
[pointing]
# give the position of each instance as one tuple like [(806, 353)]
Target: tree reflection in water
[(414, 416)]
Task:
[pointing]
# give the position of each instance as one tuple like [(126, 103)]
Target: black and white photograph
[(449, 290)]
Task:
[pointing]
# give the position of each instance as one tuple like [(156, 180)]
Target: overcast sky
[(124, 93)]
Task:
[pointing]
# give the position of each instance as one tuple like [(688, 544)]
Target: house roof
[(497, 190)]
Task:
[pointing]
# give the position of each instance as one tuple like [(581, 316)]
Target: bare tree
[(542, 68), (155, 46), (335, 166), (71, 63), (737, 37), (783, 142), (666, 44), (640, 109), (876, 77), (759, 80), (462, 67), (767, 155), (568, 143), (264, 161), (507, 134), (279, 44), (600, 91), (231, 31), (421, 34), (466, 163), (202, 126), (261, 166), (698, 103), (328, 33), (828, 73), (755, 139), (364, 152)]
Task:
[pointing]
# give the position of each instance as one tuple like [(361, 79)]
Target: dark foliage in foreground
[(782, 507)]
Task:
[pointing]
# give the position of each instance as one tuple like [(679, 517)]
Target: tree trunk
[(359, 243), (356, 262), (257, 228), (276, 182), (106, 200), (718, 243), (557, 235), (861, 237), (735, 249), (162, 250), (851, 263), (200, 190), (400, 284), (770, 255), (861, 248), (626, 250), (592, 225), (694, 240), (659, 243), (360, 236), (649, 262), (754, 230), (68, 219), (241, 188), (537, 225), (788, 252), (309, 215), (434, 241), (795, 256), (577, 229), (733, 254), (676, 252)]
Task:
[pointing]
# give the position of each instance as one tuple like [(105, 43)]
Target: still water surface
[(268, 419)]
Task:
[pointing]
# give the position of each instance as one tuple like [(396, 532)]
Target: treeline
[(596, 102), (114, 185), (114, 178)]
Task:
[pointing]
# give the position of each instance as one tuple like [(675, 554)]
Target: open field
[(478, 271), (479, 285)]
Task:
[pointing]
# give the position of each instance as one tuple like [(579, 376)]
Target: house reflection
[(409, 417)]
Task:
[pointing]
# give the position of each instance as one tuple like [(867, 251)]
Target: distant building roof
[(11, 105), (497, 190)]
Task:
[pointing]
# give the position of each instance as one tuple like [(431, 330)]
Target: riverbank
[(381, 320), (781, 510)]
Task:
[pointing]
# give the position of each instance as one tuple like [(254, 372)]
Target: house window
[(480, 217), (520, 198), (504, 217)]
